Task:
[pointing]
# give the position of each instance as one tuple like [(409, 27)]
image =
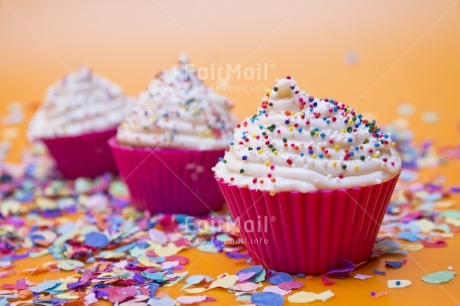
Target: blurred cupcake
[(174, 135), (79, 114), (315, 174)]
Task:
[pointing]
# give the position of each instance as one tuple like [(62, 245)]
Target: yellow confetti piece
[(303, 297), (195, 290), (145, 261), (70, 264), (64, 285), (308, 297), (412, 247), (67, 296), (46, 204), (168, 250), (444, 204), (224, 282)]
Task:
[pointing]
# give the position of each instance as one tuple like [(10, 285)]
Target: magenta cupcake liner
[(312, 232), (170, 181), (86, 155)]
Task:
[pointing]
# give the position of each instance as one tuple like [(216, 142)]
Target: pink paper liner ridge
[(86, 155), (170, 181), (311, 232)]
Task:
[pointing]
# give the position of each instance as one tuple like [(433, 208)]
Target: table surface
[(413, 59)]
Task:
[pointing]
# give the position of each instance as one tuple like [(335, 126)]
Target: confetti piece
[(362, 276), (145, 261), (187, 300), (246, 287), (254, 269), (291, 285), (378, 294), (398, 283), (279, 278), (97, 240), (342, 272), (267, 299), (224, 282), (326, 281), (45, 286), (308, 297), (70, 264), (164, 301), (158, 236), (430, 117), (439, 277), (394, 264), (434, 244), (405, 109), (408, 236), (276, 289), (412, 247)]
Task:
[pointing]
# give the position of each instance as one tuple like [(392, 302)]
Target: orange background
[(407, 51)]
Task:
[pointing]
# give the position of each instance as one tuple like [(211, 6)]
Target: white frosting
[(300, 143), (79, 103), (179, 111)]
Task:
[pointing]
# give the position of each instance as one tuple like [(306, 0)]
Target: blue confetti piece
[(378, 272), (156, 277), (96, 240), (153, 288), (394, 264), (280, 278), (45, 286), (254, 269), (409, 236), (267, 299)]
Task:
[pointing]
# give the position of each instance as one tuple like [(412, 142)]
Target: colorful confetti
[(439, 277)]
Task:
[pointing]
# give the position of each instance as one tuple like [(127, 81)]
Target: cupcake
[(167, 145), (308, 180), (79, 114)]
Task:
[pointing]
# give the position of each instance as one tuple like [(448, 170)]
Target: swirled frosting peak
[(179, 112), (297, 142), (79, 103)]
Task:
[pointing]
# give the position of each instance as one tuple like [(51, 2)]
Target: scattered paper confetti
[(362, 276), (267, 299), (291, 285), (308, 297), (186, 300), (394, 264), (400, 283), (439, 277)]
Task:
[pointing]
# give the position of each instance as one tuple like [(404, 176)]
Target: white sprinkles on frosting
[(297, 142), (179, 112), (79, 103)]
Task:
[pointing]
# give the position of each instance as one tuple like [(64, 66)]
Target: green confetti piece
[(439, 277)]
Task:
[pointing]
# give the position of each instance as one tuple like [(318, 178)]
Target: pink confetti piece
[(187, 300), (434, 244), (291, 285), (326, 281)]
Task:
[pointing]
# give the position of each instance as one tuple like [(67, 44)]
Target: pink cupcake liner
[(170, 181), (312, 232), (86, 155)]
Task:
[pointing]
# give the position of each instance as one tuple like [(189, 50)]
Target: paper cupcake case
[(86, 155), (170, 181), (312, 232)]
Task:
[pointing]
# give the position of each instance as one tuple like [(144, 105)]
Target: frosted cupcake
[(318, 173), (166, 147), (79, 114)]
